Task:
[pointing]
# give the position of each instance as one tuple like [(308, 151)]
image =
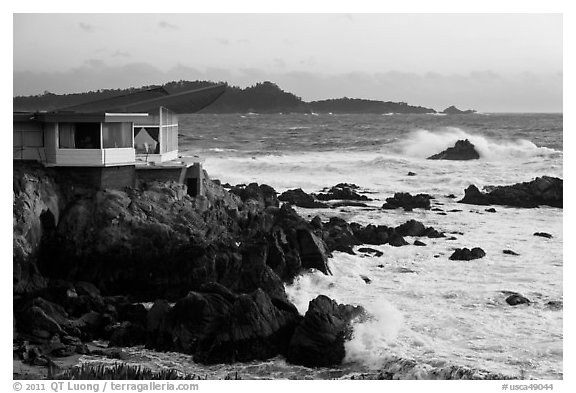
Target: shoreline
[(316, 242)]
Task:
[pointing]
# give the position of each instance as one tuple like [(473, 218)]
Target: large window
[(146, 140), (116, 135), (79, 135), (28, 135)]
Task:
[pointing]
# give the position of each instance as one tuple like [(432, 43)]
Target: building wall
[(119, 156)]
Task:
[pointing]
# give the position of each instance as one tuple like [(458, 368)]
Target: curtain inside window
[(66, 132), (117, 135)]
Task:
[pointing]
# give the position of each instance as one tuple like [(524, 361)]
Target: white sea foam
[(424, 143)]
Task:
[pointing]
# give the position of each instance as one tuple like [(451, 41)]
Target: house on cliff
[(111, 143)]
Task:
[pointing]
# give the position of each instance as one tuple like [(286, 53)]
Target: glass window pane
[(66, 135), (87, 135), (146, 140), (117, 135)]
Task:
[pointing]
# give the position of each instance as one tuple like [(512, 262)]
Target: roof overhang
[(74, 117)]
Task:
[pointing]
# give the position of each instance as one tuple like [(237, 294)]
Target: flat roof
[(76, 117)]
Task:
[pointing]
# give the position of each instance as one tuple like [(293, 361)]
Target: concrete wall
[(116, 177)]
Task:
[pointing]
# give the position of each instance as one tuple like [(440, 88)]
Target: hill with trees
[(264, 97)]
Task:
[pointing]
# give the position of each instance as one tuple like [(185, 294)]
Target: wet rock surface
[(462, 150), (543, 190)]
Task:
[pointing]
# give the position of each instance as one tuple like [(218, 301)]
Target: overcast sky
[(489, 62)]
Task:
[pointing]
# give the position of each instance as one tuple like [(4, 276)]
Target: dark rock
[(366, 279), (510, 252), (339, 236), (299, 198), (419, 243), (490, 210), (407, 201), (555, 305), (411, 173), (452, 110), (256, 273), (318, 341), (127, 334), (316, 223), (87, 289), (543, 234), (135, 313), (452, 238), (451, 196), (397, 241), (462, 150), (543, 190), (464, 254), (220, 327), (262, 194), (343, 191), (367, 250), (410, 228), (372, 234), (313, 251), (405, 270), (516, 299)]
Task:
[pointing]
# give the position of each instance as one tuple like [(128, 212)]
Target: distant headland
[(264, 97)]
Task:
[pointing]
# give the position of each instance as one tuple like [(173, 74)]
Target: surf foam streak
[(424, 143)]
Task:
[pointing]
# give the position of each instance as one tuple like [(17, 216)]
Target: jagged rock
[(543, 234), (367, 280), (313, 251), (462, 150), (543, 190), (397, 241), (419, 243), (464, 254), (318, 340), (373, 252), (217, 326), (516, 299), (262, 194), (407, 201), (343, 191), (490, 210), (316, 223), (339, 236), (452, 110), (510, 252), (299, 198), (411, 174)]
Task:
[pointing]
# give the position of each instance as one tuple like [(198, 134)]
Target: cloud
[(120, 53), (167, 26)]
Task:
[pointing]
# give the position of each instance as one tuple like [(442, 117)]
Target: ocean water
[(424, 307)]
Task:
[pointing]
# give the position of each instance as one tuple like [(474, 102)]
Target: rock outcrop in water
[(342, 191), (408, 202), (465, 254), (318, 340), (300, 198), (543, 190), (462, 150), (452, 110)]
